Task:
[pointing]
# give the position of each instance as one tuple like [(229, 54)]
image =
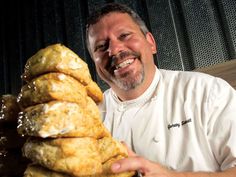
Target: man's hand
[(147, 168), (137, 163), (151, 169)]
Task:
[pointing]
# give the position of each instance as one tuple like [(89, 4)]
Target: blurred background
[(190, 34)]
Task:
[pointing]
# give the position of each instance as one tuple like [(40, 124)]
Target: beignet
[(60, 119)]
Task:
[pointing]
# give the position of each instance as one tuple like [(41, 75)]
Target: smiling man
[(122, 54), (144, 104)]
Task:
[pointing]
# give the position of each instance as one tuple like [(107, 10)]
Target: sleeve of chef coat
[(221, 126)]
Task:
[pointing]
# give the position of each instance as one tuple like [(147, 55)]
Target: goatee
[(129, 82)]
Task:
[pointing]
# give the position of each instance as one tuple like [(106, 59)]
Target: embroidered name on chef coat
[(178, 125)]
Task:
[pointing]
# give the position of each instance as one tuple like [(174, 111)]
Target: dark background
[(189, 33)]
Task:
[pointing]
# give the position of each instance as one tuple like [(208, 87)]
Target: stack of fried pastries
[(60, 115)]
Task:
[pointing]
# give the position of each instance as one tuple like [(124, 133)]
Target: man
[(178, 123)]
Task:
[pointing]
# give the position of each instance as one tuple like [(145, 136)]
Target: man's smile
[(120, 62), (124, 63)]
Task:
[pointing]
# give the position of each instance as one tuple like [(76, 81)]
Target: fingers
[(129, 164), (138, 163)]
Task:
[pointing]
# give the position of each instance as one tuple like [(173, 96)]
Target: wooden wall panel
[(225, 70)]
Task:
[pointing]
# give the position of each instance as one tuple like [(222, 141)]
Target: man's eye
[(123, 36), (101, 47)]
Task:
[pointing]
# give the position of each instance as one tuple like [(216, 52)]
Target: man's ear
[(152, 42)]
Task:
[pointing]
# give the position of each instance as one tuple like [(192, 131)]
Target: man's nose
[(115, 47)]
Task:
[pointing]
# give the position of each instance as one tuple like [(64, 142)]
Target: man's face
[(121, 52)]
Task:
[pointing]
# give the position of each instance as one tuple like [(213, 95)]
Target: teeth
[(124, 64)]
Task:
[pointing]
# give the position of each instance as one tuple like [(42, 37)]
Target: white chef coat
[(184, 120)]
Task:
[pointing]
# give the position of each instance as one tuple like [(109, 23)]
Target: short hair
[(113, 7)]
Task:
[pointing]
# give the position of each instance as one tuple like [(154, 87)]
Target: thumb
[(127, 164)]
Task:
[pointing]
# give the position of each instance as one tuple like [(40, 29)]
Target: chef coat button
[(155, 139)]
